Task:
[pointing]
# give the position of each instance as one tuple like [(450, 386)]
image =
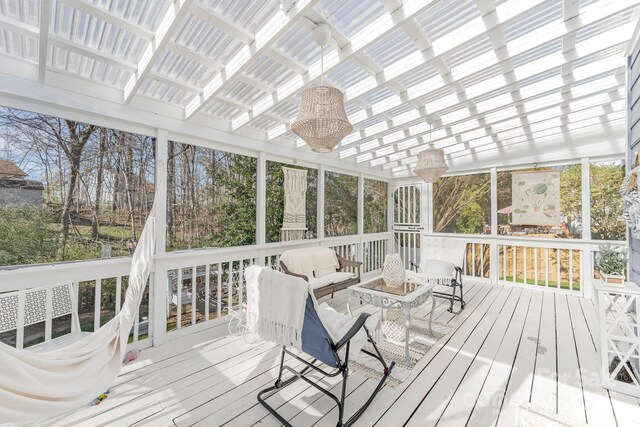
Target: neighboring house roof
[(8, 168)]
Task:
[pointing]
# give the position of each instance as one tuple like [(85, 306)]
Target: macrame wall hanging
[(294, 223)]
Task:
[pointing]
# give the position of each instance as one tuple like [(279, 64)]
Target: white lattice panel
[(620, 340)]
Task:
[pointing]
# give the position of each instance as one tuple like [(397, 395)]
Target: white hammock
[(37, 385)]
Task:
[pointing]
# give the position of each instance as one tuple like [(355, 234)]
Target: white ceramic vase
[(393, 271)]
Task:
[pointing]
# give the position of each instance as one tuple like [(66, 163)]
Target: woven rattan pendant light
[(431, 164), (322, 121)]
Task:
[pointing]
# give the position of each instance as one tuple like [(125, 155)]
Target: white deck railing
[(521, 261), (211, 280)]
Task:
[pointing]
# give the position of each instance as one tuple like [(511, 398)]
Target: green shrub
[(26, 236)]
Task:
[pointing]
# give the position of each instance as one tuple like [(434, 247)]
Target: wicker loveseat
[(325, 270)]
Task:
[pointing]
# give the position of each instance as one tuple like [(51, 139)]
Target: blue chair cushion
[(316, 341)]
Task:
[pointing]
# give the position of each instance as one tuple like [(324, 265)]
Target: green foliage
[(341, 204), (606, 203), (375, 206), (451, 196), (470, 218), (235, 214), (26, 236), (611, 261)]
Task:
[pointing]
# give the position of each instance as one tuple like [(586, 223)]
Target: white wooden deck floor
[(509, 346)]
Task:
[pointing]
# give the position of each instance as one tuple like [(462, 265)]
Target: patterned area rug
[(421, 341)]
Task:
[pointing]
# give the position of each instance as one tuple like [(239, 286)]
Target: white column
[(586, 273), (158, 293), (320, 214), (261, 199), (494, 253), (426, 215), (361, 204), (360, 250)]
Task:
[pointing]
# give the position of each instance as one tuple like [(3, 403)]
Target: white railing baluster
[(546, 267), (179, 300), (524, 265), (473, 259), (207, 289), (535, 266), (571, 269), (118, 294), (558, 268), (219, 291), (230, 286), (193, 295), (97, 302)]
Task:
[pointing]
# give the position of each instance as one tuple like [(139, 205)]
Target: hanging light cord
[(322, 65)]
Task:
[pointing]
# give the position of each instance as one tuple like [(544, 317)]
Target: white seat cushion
[(321, 272), (437, 268), (336, 277)]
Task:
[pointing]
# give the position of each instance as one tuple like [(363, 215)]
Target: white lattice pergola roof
[(503, 80)]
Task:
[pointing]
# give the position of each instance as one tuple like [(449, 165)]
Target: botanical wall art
[(536, 198)]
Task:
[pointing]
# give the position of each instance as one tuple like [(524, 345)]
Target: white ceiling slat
[(360, 41), (422, 89), (173, 82), (91, 53), (170, 22), (255, 83), (110, 18), (272, 31), (221, 23), (43, 43), (285, 60), (195, 57)]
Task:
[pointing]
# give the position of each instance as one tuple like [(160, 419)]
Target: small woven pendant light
[(322, 121), (431, 164)]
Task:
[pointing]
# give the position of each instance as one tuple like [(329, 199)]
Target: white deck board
[(478, 375)]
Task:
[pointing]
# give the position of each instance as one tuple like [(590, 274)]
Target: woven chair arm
[(348, 263), (291, 273)]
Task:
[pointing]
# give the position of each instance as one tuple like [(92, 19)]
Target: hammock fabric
[(37, 385)]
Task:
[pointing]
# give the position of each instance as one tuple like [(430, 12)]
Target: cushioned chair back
[(444, 249), (316, 341)]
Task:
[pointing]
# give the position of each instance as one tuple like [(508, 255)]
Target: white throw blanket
[(37, 385), (302, 261), (261, 292), (275, 310)]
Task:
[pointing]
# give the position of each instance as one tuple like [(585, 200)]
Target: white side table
[(406, 297)]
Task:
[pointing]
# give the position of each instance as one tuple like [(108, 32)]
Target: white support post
[(159, 291), (320, 214), (390, 211), (359, 251), (361, 204), (426, 216), (261, 199), (494, 253), (586, 273)]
